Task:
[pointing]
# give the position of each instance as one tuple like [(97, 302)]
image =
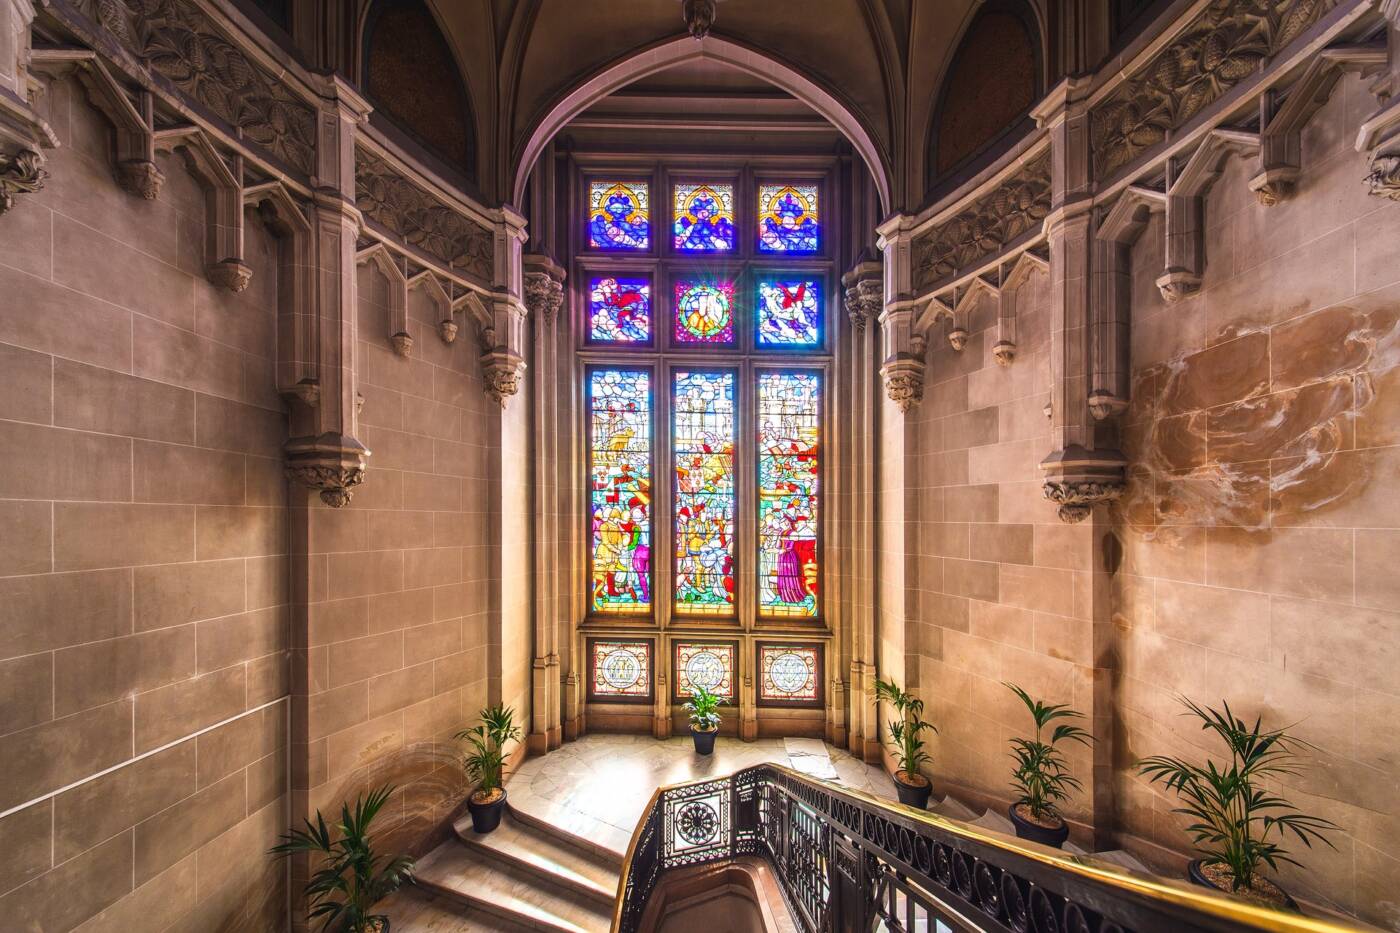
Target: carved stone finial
[(1076, 500), (957, 338), (1384, 177), (1175, 286), (544, 295), (403, 344), (1004, 352), (503, 371), (230, 274), (699, 16), (140, 177), (447, 330), (20, 173)]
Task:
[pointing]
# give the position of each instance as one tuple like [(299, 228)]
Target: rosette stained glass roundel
[(621, 669), (705, 312), (705, 669), (789, 673)]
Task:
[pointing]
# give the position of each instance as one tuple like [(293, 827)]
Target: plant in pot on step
[(1042, 779), (352, 877), (484, 762), (1238, 823), (703, 708), (906, 734)]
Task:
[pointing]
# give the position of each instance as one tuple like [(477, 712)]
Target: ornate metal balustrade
[(848, 861)]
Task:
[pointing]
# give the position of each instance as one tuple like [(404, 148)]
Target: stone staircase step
[(476, 879), (954, 809), (1124, 859), (552, 856), (574, 829)]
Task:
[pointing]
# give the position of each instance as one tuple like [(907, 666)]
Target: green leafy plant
[(1238, 824), (1042, 779), (486, 758), (703, 707), (352, 877), (906, 731)]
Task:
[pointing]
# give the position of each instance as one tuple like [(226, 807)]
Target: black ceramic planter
[(1193, 871), (704, 741), (1025, 829), (487, 816), (914, 795)]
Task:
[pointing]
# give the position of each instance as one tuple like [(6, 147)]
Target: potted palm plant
[(1042, 779), (484, 762), (906, 734), (703, 708), (352, 877), (1238, 824)]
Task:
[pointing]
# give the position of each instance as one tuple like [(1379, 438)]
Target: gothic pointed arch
[(411, 76), (994, 77)]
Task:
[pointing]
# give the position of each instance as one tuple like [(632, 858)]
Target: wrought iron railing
[(849, 861)]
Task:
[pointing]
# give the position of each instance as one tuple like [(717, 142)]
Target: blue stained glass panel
[(788, 219), (619, 215), (704, 218), (789, 312), (619, 309)]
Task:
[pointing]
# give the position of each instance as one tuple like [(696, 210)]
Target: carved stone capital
[(231, 274), (503, 371), (140, 177), (1077, 479), (20, 173), (1384, 177), (957, 338), (331, 463), (1274, 185), (1104, 404), (544, 288), (1177, 285), (904, 381), (865, 293), (447, 330), (1004, 352), (402, 343)]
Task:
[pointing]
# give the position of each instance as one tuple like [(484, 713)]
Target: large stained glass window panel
[(789, 433), (619, 309), (788, 220), (789, 312), (619, 215), (620, 478), (704, 312), (789, 674), (704, 218), (705, 664), (620, 669), (702, 440)]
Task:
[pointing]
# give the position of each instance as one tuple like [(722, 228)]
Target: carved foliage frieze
[(399, 205), (178, 41), (1225, 44), (1001, 216)]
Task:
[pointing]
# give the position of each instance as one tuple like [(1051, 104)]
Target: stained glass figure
[(619, 310), (621, 668), (704, 312), (789, 429), (620, 468), (789, 673), (704, 218), (787, 219), (702, 440), (618, 215), (705, 664), (789, 312)]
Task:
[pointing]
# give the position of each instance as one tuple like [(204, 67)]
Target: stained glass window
[(789, 427), (704, 218), (619, 215), (789, 674), (620, 468), (619, 309), (704, 312), (787, 219), (621, 669), (703, 444), (789, 312), (705, 664)]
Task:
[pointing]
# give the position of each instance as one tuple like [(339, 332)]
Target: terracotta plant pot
[(1195, 871), (487, 816), (704, 741), (914, 795), (1045, 835)]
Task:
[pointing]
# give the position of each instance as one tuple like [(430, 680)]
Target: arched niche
[(994, 77), (411, 76)]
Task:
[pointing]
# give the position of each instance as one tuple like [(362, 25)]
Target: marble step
[(415, 910), (552, 856), (476, 879), (575, 829)]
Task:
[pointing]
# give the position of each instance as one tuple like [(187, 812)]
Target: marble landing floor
[(597, 786)]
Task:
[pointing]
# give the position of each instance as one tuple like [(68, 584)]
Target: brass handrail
[(1164, 890)]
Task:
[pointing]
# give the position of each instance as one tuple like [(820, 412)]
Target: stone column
[(22, 132)]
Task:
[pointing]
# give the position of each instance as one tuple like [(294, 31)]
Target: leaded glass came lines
[(619, 310), (789, 312), (704, 312), (787, 219), (704, 218), (620, 474), (619, 215), (705, 664), (789, 429), (703, 434), (788, 673), (621, 668)]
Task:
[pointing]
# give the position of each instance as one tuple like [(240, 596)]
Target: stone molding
[(222, 180)]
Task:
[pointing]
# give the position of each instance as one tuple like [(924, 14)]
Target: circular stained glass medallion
[(704, 313), (705, 669), (621, 669), (789, 673)]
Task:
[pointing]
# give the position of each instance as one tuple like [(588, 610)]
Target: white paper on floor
[(809, 756)]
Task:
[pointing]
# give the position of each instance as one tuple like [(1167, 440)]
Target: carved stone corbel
[(503, 340), (396, 313), (864, 296), (20, 173), (1185, 208), (903, 346), (1027, 267), (1380, 133), (23, 133), (440, 299), (544, 287), (223, 184)]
